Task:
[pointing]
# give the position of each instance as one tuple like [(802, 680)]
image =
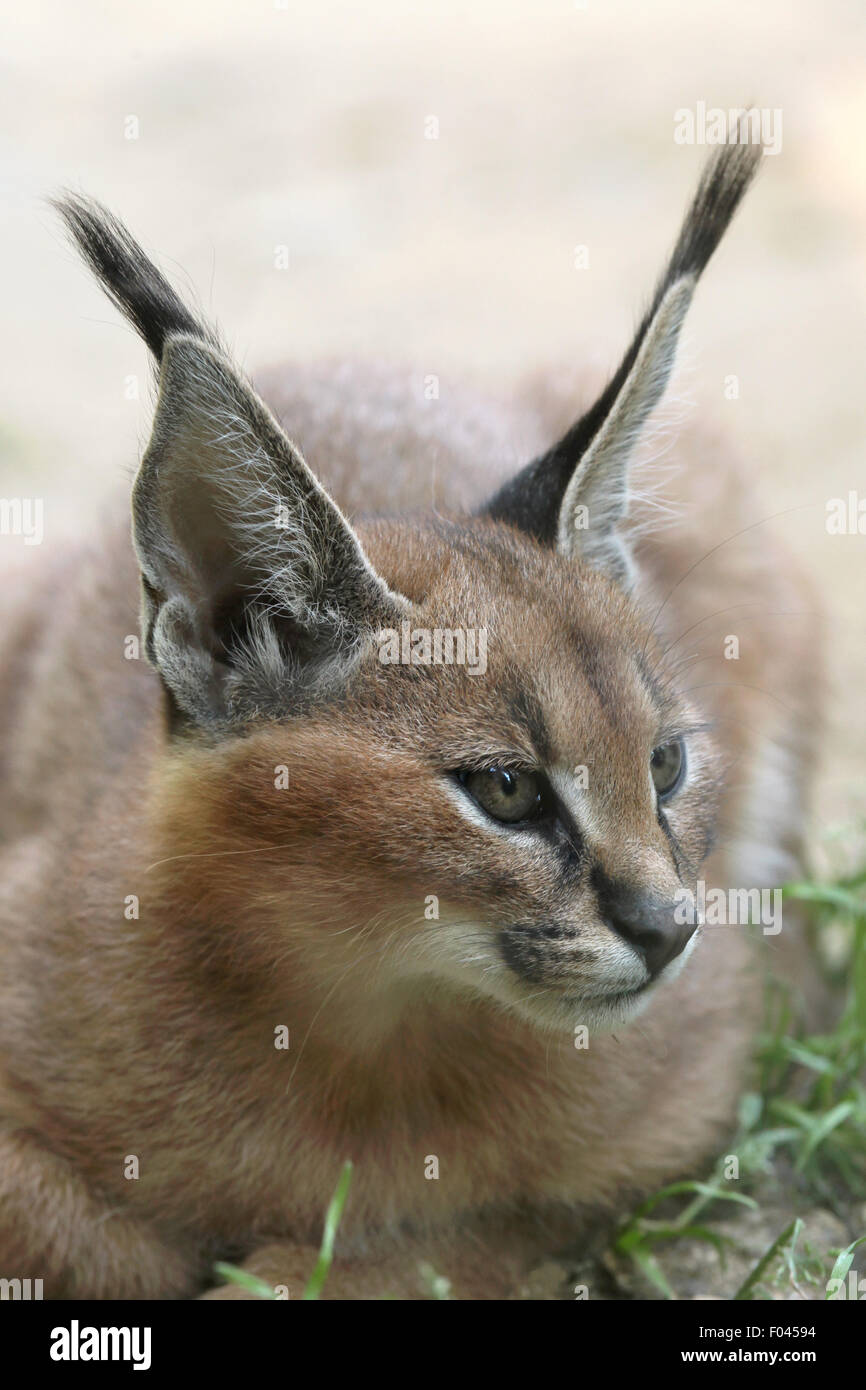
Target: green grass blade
[(653, 1272), (844, 1261), (828, 895), (790, 1233), (333, 1217), (233, 1275), (821, 1129)]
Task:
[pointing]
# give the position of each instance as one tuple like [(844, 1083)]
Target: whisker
[(216, 854), (780, 613), (802, 506)]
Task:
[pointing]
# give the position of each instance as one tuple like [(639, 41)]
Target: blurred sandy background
[(303, 125)]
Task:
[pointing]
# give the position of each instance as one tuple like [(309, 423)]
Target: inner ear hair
[(249, 568), (575, 496), (596, 499)]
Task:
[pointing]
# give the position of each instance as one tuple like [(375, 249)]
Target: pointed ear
[(255, 589), (576, 496), (596, 499)]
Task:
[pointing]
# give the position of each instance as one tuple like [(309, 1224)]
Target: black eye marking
[(680, 862), (668, 766), (526, 711)]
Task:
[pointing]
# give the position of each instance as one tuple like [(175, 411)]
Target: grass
[(260, 1289), (805, 1120)]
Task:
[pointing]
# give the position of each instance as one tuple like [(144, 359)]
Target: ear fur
[(597, 493), (588, 468), (255, 589)]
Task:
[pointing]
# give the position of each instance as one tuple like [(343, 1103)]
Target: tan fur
[(262, 907), (283, 807)]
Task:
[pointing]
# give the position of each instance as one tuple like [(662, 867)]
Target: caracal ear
[(576, 496), (255, 589)]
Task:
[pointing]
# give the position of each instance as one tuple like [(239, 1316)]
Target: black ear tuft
[(725, 179), (531, 500), (129, 278)]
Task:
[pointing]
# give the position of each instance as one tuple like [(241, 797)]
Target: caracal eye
[(505, 795), (667, 764)]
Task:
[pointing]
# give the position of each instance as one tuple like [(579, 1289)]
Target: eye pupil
[(504, 794), (667, 765)]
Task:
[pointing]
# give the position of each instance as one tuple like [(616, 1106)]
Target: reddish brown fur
[(262, 907)]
